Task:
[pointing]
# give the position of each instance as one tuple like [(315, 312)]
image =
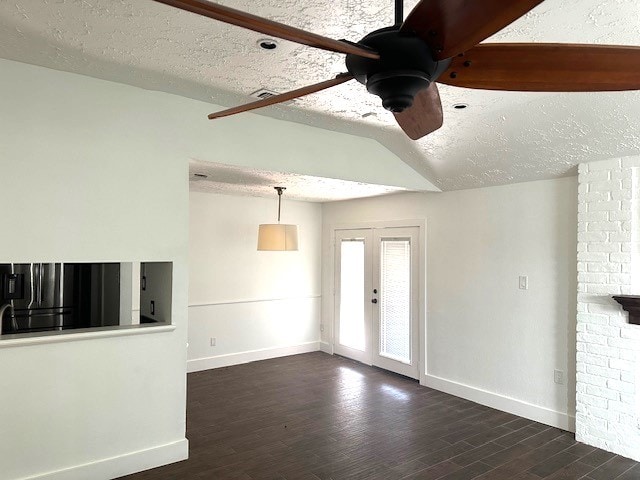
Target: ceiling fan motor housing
[(405, 67)]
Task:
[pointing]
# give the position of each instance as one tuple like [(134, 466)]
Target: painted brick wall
[(608, 348)]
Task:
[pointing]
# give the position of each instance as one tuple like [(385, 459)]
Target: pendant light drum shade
[(278, 237)]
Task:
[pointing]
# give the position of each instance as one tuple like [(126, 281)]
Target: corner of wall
[(608, 378)]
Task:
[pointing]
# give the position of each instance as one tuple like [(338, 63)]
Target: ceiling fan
[(438, 42)]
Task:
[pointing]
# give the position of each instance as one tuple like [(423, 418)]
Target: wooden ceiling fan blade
[(451, 27), (424, 116), (283, 97), (546, 67), (268, 27)]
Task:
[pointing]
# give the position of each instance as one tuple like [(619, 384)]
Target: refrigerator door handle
[(14, 320), (40, 285), (31, 286)]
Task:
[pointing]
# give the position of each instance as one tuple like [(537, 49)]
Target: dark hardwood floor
[(314, 416)]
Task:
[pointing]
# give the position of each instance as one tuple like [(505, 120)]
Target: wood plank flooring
[(315, 416)]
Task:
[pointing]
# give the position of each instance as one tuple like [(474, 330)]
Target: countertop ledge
[(13, 340)]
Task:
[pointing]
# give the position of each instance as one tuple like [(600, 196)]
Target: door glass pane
[(395, 300), (352, 294)]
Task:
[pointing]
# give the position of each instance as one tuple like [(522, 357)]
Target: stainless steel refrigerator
[(58, 296)]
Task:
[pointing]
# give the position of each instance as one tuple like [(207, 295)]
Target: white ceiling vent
[(264, 93)]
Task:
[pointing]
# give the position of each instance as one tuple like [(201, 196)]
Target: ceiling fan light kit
[(405, 67), (438, 42)]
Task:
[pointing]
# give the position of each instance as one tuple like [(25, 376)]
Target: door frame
[(421, 224)]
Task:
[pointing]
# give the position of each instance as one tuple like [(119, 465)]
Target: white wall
[(487, 339), (84, 178), (97, 171), (255, 304)]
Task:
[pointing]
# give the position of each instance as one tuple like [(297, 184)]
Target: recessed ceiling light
[(267, 44), (460, 106)]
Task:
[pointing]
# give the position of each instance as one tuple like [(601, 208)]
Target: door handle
[(40, 268), (374, 300)]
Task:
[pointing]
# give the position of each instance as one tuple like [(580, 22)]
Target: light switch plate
[(558, 377), (524, 282)]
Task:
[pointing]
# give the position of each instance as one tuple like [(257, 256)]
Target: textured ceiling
[(503, 137), (230, 179)]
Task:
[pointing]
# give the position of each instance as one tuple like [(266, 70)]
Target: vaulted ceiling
[(502, 137)]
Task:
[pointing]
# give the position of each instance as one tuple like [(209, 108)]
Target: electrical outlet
[(523, 282), (212, 341), (558, 377)]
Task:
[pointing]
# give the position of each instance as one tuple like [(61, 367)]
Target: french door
[(376, 297)]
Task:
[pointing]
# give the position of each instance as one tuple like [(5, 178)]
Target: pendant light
[(278, 236)]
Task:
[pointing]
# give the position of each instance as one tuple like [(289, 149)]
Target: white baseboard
[(122, 465), (506, 404), (199, 364), (326, 347)]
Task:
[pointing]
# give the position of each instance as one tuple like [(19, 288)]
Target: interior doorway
[(376, 318)]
